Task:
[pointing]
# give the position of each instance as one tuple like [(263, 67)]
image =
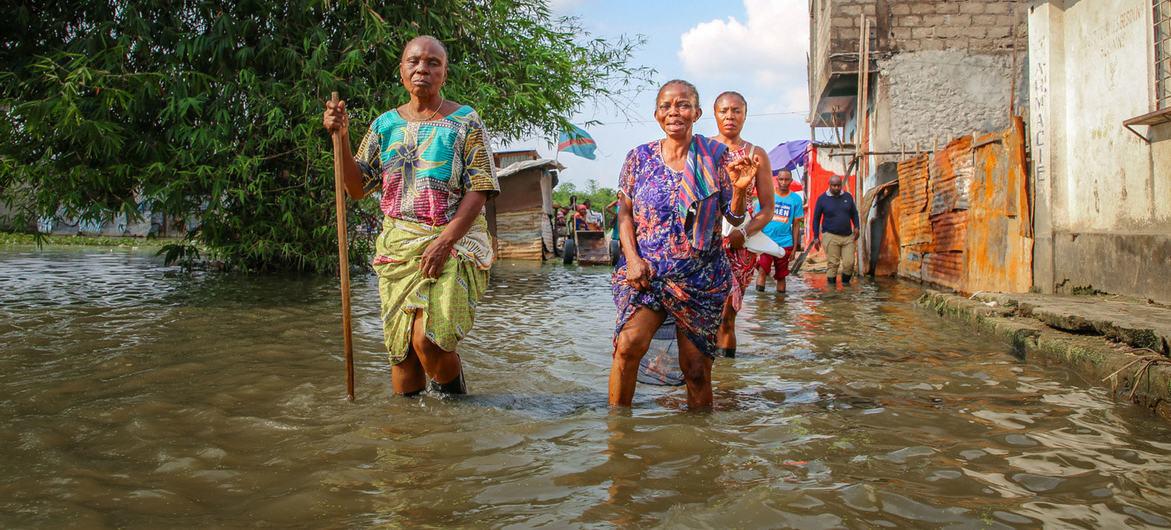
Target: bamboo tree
[(213, 108)]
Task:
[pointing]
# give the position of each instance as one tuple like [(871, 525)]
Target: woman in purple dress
[(672, 195)]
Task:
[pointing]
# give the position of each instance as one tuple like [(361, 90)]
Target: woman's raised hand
[(743, 171), (335, 118)]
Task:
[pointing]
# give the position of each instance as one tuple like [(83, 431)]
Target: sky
[(755, 47)]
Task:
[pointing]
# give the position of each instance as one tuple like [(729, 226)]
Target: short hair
[(685, 84), (731, 94), (426, 38)]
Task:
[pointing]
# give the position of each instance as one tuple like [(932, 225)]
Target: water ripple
[(138, 395)]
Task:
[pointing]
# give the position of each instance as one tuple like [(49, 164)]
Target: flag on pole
[(578, 142)]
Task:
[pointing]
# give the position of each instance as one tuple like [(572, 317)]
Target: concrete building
[(1099, 109), (935, 72), (938, 69)]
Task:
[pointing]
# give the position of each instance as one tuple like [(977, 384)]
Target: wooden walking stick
[(343, 255)]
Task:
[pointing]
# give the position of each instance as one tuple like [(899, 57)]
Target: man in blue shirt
[(788, 210), (835, 226)]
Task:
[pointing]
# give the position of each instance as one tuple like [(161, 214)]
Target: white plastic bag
[(758, 242)]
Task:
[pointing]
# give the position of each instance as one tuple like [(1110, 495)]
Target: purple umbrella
[(789, 155)]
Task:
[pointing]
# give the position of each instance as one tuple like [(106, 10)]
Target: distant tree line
[(598, 196)]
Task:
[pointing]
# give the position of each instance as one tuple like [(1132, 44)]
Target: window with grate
[(1162, 19)]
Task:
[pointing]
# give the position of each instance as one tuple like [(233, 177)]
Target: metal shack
[(521, 216)]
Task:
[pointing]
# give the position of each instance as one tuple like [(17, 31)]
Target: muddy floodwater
[(134, 395)]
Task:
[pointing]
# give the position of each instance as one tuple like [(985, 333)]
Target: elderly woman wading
[(672, 194), (431, 159)]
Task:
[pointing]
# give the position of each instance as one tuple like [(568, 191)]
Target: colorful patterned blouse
[(426, 167)]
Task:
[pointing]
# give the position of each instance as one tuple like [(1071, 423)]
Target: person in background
[(580, 217), (783, 228), (731, 110), (559, 220), (593, 218), (835, 227)]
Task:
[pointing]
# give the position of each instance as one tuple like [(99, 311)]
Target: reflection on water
[(137, 396)]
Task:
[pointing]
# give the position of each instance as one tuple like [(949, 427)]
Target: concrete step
[(1138, 323)]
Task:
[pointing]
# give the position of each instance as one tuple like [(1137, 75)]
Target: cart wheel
[(568, 252)]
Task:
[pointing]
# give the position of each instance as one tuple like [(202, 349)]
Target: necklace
[(437, 109), (736, 149)]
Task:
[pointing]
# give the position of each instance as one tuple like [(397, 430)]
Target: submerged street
[(139, 396)]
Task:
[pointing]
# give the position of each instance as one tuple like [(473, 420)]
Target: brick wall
[(981, 26), (944, 66), (833, 38), (843, 22), (915, 25)]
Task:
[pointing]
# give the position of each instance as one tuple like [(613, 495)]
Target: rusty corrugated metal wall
[(889, 253), (1000, 225), (950, 176), (914, 227), (962, 215)]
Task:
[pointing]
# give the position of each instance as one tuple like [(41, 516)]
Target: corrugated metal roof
[(517, 167)]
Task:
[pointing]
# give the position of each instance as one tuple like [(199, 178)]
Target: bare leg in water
[(631, 346), (633, 343), (425, 360), (697, 373), (726, 335)]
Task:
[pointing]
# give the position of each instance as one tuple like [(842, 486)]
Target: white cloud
[(564, 6), (797, 98), (767, 48)]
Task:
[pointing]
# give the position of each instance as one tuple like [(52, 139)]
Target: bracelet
[(742, 226)]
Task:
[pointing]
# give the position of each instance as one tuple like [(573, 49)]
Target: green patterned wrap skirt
[(447, 303)]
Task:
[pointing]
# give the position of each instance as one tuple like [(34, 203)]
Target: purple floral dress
[(689, 285)]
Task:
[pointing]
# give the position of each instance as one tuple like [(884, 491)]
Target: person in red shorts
[(783, 229)]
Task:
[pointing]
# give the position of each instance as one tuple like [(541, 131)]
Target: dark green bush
[(215, 107)]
